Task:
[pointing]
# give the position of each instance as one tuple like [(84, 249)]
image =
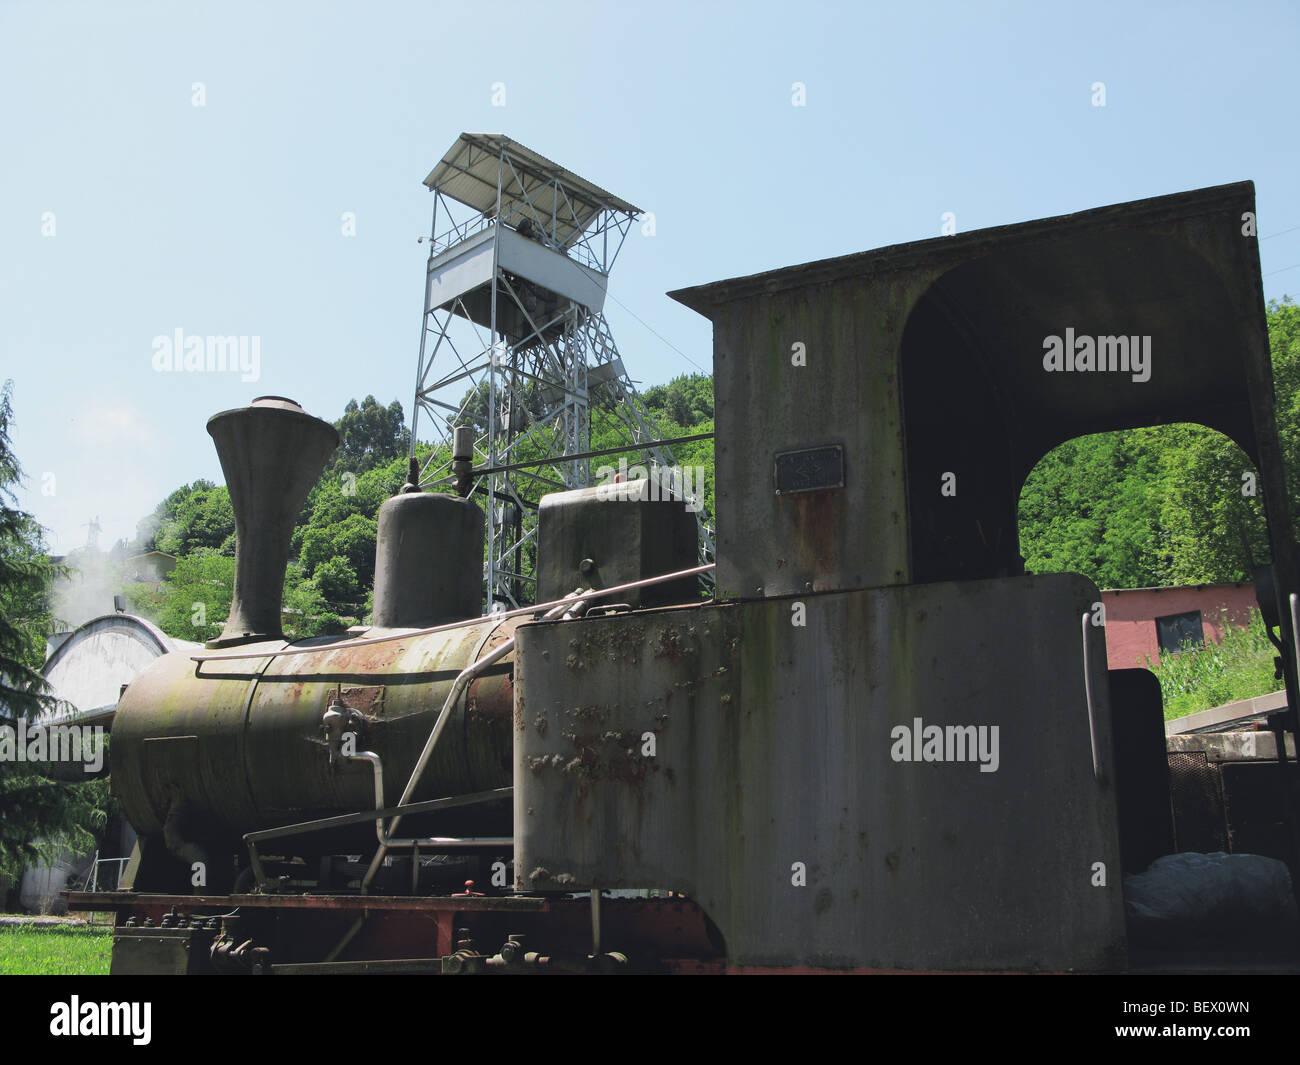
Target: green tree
[(686, 400), (337, 580), (192, 518), (1088, 507), (38, 815), (303, 603), (340, 524), (26, 576), (1168, 505), (1214, 533), (352, 540), (194, 601), (1284, 344), (372, 436)]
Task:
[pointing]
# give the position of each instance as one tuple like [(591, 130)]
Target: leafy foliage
[(1090, 508), (351, 540), (26, 573), (196, 517), (372, 436), (1213, 533), (1169, 505), (194, 601), (686, 400), (38, 815), (1239, 666)]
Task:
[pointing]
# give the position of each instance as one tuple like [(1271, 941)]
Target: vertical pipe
[(1092, 710)]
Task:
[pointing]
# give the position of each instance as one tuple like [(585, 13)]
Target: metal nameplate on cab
[(809, 470)]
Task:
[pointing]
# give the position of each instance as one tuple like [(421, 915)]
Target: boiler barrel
[(241, 745)]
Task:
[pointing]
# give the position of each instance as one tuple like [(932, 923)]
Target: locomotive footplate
[(466, 934)]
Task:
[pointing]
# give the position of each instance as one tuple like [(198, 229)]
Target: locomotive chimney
[(271, 453)]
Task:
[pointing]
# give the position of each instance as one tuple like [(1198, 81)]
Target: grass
[(1240, 666), (55, 950)]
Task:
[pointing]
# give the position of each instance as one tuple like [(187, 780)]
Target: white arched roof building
[(87, 669), (90, 665)]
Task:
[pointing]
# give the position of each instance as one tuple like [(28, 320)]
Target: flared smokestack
[(271, 452)]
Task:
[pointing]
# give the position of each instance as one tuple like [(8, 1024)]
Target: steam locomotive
[(881, 745)]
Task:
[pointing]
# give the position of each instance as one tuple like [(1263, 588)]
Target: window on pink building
[(1179, 632)]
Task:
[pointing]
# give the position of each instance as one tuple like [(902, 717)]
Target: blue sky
[(226, 218)]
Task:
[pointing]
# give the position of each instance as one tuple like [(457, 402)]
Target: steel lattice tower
[(514, 342)]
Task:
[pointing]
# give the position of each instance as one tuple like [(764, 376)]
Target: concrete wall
[(1131, 614)]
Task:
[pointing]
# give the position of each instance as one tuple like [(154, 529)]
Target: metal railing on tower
[(514, 343)]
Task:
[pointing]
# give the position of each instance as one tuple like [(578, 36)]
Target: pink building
[(1143, 622)]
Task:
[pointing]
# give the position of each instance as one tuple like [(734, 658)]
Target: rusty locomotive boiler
[(881, 745), (246, 738)]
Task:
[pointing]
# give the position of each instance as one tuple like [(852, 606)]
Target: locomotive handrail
[(570, 602), (344, 820), (1294, 601), (1092, 709), (598, 593), (640, 445)]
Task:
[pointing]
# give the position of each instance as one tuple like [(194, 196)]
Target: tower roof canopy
[(469, 174)]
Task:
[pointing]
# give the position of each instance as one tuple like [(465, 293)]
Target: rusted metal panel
[(617, 533), (240, 744), (159, 952), (844, 394), (774, 763)]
